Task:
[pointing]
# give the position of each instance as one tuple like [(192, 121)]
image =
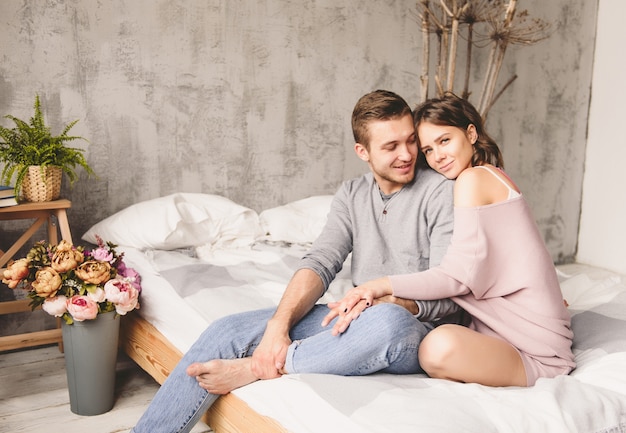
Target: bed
[(202, 256)]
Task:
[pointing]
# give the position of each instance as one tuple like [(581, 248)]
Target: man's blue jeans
[(384, 338)]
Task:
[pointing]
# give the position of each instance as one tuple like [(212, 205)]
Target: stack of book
[(7, 196)]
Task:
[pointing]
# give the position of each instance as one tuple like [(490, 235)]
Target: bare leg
[(221, 376), (461, 354)]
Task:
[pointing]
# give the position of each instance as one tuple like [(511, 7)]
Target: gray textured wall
[(251, 100)]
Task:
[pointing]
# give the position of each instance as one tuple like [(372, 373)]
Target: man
[(396, 219)]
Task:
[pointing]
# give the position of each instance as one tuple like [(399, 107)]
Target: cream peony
[(97, 294), (55, 306)]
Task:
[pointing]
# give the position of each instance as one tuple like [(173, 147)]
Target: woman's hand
[(355, 302)]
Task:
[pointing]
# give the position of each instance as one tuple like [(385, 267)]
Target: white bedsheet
[(591, 399), (240, 280)]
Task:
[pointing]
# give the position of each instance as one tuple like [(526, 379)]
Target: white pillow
[(300, 221), (178, 220)]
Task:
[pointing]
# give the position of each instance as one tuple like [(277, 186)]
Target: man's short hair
[(377, 105)]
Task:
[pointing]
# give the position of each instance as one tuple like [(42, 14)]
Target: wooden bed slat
[(229, 414), (145, 345)]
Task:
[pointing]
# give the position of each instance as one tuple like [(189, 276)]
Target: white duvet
[(182, 294)]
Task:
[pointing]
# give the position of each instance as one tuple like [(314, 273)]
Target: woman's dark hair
[(450, 110)]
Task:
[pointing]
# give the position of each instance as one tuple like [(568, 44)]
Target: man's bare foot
[(221, 376)]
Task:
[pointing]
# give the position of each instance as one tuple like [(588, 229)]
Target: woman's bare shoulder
[(476, 187)]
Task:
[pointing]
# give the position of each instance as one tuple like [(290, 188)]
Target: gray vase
[(90, 356)]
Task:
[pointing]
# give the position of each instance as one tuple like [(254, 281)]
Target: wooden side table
[(50, 213)]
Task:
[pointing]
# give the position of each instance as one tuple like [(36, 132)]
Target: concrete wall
[(602, 238), (251, 100)]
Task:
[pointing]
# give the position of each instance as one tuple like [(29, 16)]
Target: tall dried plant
[(481, 23)]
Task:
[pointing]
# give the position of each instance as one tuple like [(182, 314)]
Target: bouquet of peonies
[(73, 283)]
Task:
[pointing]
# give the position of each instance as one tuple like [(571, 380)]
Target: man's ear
[(362, 152)]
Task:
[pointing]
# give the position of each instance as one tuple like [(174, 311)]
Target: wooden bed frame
[(145, 345)]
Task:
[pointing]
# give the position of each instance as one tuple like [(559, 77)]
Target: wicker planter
[(38, 186)]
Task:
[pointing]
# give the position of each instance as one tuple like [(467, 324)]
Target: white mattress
[(591, 399), (240, 280)]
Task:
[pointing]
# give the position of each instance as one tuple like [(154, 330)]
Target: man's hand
[(304, 289), (268, 359)]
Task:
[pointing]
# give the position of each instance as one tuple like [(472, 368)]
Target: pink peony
[(123, 294), (55, 306), (130, 275), (82, 308), (102, 255)]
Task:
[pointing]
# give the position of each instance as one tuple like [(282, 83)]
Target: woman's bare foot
[(221, 376)]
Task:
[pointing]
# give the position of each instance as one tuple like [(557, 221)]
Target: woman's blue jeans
[(384, 338)]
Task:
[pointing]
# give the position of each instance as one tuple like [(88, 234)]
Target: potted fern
[(37, 159)]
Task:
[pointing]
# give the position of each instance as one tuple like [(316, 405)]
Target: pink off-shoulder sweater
[(498, 269)]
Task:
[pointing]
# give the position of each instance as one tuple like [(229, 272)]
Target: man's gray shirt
[(408, 233)]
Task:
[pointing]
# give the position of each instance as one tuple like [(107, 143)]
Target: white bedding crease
[(182, 294)]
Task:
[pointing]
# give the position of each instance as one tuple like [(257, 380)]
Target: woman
[(497, 267)]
